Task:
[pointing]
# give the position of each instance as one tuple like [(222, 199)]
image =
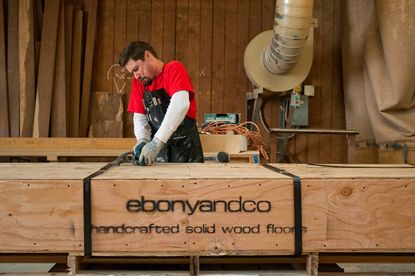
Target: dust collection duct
[(280, 59)]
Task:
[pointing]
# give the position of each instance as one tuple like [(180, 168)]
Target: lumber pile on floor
[(46, 57)]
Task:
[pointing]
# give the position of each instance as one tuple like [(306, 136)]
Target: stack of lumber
[(46, 56)]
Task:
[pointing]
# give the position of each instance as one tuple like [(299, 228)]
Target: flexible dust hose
[(293, 19)]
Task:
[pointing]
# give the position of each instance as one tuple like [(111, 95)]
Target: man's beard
[(146, 81)]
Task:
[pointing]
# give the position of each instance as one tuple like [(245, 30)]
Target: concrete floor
[(405, 269), (25, 267)]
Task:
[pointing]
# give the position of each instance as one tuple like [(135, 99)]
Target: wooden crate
[(350, 209)]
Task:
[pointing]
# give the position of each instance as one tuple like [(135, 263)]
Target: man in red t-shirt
[(164, 106)]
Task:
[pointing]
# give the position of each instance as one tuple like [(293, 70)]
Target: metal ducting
[(280, 59)]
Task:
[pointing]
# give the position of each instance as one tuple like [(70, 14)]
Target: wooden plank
[(254, 29), (205, 65), (169, 30), (272, 106), (218, 56), (242, 41), (120, 41), (315, 78), (87, 68), (47, 171), (58, 121), (194, 48), (46, 69), (182, 37), (254, 18), (69, 17), (76, 74), (13, 68), (339, 144), (230, 93), (268, 8), (144, 21), (156, 28), (231, 144), (4, 108), (327, 79), (132, 20), (300, 141), (38, 17), (65, 146), (300, 155), (132, 35), (120, 33), (26, 67), (357, 171), (103, 55)]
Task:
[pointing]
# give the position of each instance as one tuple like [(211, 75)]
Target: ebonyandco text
[(164, 205)]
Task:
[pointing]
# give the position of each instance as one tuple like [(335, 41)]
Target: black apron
[(184, 145)]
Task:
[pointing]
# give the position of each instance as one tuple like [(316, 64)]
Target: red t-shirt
[(173, 78)]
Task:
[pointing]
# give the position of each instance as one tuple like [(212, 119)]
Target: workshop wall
[(210, 38)]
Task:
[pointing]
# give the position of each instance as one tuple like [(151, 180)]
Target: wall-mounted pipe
[(293, 19), (280, 59)]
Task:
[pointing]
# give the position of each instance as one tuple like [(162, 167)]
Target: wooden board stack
[(49, 67)]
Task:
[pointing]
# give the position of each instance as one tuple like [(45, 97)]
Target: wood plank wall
[(36, 64), (210, 37)]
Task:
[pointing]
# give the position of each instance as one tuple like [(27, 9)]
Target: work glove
[(150, 151), (137, 150)]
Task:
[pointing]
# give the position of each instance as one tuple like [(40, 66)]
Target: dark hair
[(135, 50)]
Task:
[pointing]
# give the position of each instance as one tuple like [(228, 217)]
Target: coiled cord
[(254, 137)]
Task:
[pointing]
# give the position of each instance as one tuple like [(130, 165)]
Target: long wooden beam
[(92, 6), (65, 147), (13, 83), (26, 67), (56, 147), (44, 90)]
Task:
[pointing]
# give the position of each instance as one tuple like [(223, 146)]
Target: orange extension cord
[(254, 137)]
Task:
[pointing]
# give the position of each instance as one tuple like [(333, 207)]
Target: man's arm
[(142, 130), (176, 111)]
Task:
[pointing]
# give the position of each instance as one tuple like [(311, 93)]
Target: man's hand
[(137, 150), (150, 151)]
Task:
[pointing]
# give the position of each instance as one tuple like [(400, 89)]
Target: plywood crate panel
[(365, 208), (206, 209), (41, 206)]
